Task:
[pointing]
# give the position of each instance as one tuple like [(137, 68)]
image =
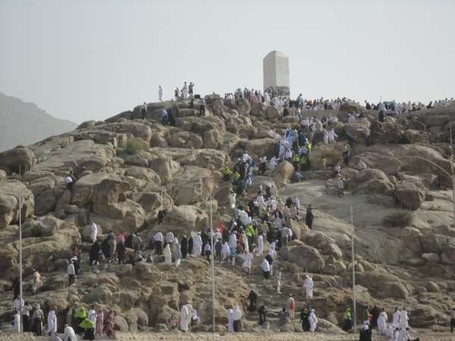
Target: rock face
[(135, 175), (17, 160)]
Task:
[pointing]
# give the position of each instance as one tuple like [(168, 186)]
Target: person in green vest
[(347, 319), (81, 314)]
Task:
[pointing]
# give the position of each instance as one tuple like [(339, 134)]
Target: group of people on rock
[(308, 317), (42, 321), (397, 330)]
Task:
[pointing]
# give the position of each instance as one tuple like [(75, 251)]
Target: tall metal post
[(354, 299), (212, 264), (452, 173), (21, 326)]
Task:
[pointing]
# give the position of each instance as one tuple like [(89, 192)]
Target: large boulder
[(215, 104), (17, 160), (79, 156), (410, 194), (185, 218), (84, 188), (143, 173), (165, 167), (284, 171), (185, 139), (372, 181), (380, 160), (193, 185), (304, 256), (382, 285), (260, 147), (358, 130), (13, 193), (136, 129)]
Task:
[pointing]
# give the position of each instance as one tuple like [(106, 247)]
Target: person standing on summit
[(160, 93)]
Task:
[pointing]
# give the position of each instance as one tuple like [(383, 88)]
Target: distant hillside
[(25, 123)]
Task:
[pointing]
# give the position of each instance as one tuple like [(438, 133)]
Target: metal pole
[(354, 300), (213, 265), (21, 327), (452, 175)]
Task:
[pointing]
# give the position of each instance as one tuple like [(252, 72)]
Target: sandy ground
[(424, 336)]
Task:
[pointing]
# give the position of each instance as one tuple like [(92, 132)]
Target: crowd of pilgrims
[(257, 229), (302, 104)]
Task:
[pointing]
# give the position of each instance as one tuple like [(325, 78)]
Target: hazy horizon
[(83, 60)]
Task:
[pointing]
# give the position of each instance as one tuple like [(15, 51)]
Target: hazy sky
[(90, 59)]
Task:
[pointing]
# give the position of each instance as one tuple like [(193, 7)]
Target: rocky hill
[(128, 168), (25, 123)]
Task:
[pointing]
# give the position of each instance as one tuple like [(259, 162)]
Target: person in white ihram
[(396, 317), (93, 231), (160, 93), (260, 248), (404, 320), (167, 254), (69, 334), (225, 251), (51, 323), (230, 320), (279, 282), (197, 244), (232, 196), (308, 285), (185, 317), (382, 322), (313, 321)]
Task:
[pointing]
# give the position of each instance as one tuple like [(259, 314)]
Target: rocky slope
[(129, 168), (25, 123)]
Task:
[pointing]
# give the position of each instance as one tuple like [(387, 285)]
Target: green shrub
[(398, 219), (134, 146)]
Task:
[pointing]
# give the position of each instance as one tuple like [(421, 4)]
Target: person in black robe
[(365, 333), (374, 317), (305, 319), (94, 253), (253, 297), (309, 217), (121, 253), (240, 188), (184, 247), (15, 286), (107, 247), (262, 314), (190, 246), (161, 214), (218, 246)]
